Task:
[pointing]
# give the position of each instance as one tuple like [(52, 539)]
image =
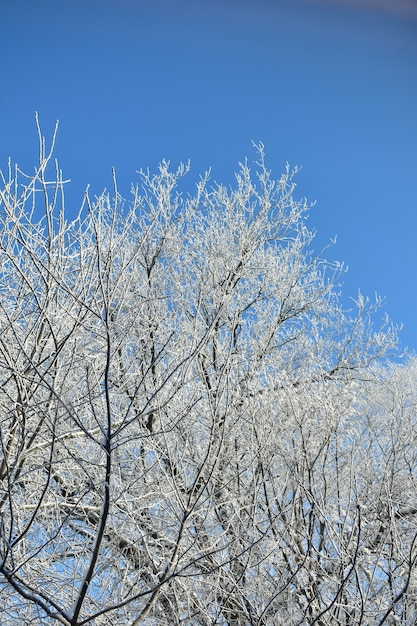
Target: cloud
[(401, 8)]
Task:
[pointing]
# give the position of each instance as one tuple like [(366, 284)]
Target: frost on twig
[(192, 429)]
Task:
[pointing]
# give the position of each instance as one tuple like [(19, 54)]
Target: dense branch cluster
[(193, 430)]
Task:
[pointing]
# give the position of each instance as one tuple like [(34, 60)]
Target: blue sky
[(329, 85)]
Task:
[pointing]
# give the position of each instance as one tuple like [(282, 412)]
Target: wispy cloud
[(404, 8)]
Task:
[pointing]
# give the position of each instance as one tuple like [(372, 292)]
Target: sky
[(327, 85)]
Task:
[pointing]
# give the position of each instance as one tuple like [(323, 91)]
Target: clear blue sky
[(330, 85)]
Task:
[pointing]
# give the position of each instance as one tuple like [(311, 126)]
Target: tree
[(193, 430)]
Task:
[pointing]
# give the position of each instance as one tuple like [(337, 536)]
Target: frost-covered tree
[(193, 430)]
